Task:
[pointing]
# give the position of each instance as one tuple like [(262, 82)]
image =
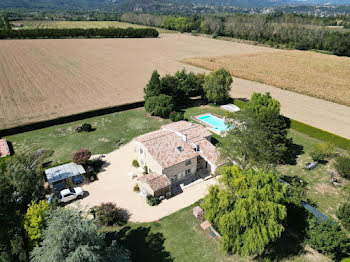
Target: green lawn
[(180, 238), (320, 191), (64, 140), (177, 237)]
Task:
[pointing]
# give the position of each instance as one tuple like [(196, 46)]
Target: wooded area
[(289, 30)]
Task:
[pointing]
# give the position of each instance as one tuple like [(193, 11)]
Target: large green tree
[(247, 208), (27, 178), (217, 86), (161, 105), (71, 237), (153, 87), (258, 134)]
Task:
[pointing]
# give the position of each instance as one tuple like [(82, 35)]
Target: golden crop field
[(47, 78), (83, 24), (314, 74)]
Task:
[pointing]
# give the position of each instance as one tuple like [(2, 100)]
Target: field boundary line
[(71, 118)]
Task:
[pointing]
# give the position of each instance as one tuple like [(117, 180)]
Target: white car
[(67, 195)]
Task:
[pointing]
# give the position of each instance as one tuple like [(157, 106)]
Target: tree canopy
[(217, 86), (35, 220), (71, 237), (258, 134), (247, 208)]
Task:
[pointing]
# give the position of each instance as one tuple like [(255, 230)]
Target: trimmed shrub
[(86, 127), (108, 214), (343, 214), (152, 201), (82, 156), (342, 165), (136, 188), (135, 163)]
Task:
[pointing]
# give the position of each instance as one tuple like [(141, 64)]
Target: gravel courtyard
[(114, 185)]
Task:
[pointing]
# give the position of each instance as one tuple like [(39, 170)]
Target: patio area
[(115, 185)]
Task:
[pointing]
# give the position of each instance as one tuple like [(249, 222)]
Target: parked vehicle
[(67, 195), (77, 179), (310, 166)]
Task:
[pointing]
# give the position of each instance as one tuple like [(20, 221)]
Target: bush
[(153, 201), (135, 163), (322, 151), (342, 165), (343, 214), (176, 116), (82, 156), (108, 214), (328, 238), (86, 127), (161, 105), (136, 188)]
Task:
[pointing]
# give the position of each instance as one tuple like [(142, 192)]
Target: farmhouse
[(180, 151), (4, 148)]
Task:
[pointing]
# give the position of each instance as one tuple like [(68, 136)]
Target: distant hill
[(129, 5)]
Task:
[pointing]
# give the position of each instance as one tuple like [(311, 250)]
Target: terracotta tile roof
[(193, 131), (168, 148), (208, 151), (4, 148), (156, 181)]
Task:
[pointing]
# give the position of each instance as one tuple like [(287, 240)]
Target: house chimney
[(184, 138)]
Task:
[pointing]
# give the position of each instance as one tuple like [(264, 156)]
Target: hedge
[(311, 131), (79, 33)]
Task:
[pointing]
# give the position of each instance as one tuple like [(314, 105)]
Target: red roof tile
[(156, 181)]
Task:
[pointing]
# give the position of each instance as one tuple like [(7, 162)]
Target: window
[(141, 151), (180, 148), (142, 163), (188, 162), (187, 172)]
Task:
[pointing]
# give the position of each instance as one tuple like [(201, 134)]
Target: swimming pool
[(217, 123)]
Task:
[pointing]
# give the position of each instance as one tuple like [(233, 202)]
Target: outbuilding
[(59, 175)]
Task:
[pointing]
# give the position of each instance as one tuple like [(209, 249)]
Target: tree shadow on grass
[(294, 150), (291, 242), (143, 244)]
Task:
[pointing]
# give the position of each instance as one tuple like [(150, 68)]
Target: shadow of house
[(143, 244)]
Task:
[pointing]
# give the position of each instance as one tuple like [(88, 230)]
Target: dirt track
[(44, 79)]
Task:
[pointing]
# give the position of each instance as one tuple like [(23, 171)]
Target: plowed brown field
[(45, 79)]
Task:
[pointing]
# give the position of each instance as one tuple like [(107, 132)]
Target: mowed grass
[(65, 140), (179, 238), (314, 74), (84, 24)]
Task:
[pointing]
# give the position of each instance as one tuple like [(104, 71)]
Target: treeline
[(79, 32), (278, 29)]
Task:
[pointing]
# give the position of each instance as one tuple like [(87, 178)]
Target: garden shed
[(63, 173)]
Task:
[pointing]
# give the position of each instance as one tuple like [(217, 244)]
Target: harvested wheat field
[(49, 78), (314, 74), (46, 79)]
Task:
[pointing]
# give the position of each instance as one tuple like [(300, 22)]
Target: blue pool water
[(215, 122)]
